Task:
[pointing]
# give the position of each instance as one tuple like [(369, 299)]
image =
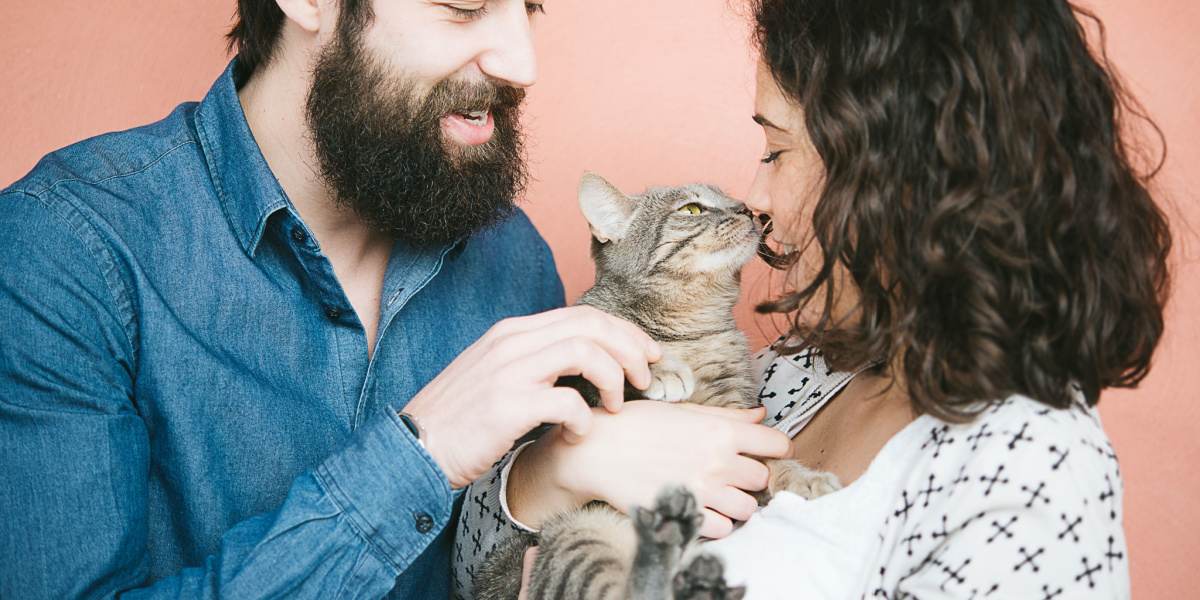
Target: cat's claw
[(704, 578), (672, 380)]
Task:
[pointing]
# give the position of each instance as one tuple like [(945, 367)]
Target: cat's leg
[(704, 579), (662, 535), (583, 554), (792, 476), (672, 380)]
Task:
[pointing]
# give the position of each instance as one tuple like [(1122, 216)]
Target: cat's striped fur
[(668, 260)]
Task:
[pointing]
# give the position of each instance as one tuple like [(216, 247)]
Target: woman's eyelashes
[(772, 157)]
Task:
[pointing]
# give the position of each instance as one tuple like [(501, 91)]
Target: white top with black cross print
[(1022, 502)]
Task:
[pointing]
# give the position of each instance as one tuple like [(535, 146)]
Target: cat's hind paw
[(672, 380), (704, 579), (673, 522)]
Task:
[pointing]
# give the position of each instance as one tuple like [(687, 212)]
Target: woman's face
[(789, 174)]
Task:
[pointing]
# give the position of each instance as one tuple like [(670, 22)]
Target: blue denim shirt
[(187, 408)]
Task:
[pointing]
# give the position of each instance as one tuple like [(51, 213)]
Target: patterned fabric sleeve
[(483, 525), (1033, 510)]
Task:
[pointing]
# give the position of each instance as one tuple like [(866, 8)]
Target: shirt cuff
[(512, 458), (392, 491)]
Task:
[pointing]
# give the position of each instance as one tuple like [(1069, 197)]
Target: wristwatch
[(414, 427)]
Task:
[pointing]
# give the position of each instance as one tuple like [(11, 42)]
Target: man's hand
[(502, 386), (628, 458)]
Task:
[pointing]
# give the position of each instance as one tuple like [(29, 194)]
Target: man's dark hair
[(257, 25), (977, 190)]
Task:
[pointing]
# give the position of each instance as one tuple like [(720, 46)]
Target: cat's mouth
[(780, 259)]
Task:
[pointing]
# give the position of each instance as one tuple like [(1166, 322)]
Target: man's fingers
[(716, 525), (576, 356), (620, 339), (560, 406)]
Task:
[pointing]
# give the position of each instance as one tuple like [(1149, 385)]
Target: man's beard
[(382, 153)]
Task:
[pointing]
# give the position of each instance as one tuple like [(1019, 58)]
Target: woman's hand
[(627, 458)]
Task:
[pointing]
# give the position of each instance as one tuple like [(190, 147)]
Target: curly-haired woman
[(971, 247)]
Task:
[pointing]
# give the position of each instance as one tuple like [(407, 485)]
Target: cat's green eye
[(692, 208)]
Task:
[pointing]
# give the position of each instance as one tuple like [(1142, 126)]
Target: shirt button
[(299, 235), (424, 522), (332, 312)]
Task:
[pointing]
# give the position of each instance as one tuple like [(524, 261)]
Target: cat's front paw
[(673, 522), (672, 380), (793, 476), (704, 579)]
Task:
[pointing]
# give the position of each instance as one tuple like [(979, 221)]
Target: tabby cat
[(668, 260)]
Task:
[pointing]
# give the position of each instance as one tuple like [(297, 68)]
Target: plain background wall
[(649, 92)]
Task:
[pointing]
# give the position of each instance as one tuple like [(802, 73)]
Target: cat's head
[(688, 232)]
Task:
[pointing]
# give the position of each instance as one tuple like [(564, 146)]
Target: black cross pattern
[(993, 480), (910, 540), (1110, 555), (763, 395), (1109, 496), (458, 550), (939, 436), (1070, 527), (1002, 530), (500, 521), (940, 534), (953, 574), (1029, 559), (770, 372), (929, 490), (1061, 454), (962, 476), (1035, 494), (477, 539), (986, 593), (978, 436), (1050, 595), (907, 505), (796, 390), (1019, 437), (1087, 572), (483, 507)]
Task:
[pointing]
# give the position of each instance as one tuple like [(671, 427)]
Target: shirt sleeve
[(1034, 511), (74, 454), (485, 523)]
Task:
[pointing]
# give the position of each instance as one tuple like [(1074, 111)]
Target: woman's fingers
[(527, 571), (733, 503), (749, 474), (762, 441), (748, 415), (716, 525)]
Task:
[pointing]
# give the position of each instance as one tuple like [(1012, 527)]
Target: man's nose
[(511, 58)]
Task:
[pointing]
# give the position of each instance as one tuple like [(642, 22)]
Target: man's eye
[(772, 157), (692, 208), (534, 8)]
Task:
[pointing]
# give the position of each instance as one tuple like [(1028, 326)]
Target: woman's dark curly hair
[(979, 195)]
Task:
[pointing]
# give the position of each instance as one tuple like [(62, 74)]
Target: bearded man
[(259, 348)]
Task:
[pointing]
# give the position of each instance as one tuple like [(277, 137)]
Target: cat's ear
[(606, 209)]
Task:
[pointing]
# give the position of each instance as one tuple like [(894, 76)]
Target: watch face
[(411, 425)]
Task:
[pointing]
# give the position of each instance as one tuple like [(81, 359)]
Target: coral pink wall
[(660, 92)]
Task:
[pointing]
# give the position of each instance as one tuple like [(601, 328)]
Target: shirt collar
[(248, 190)]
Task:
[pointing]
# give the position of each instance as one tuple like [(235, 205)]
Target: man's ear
[(606, 209), (305, 13)]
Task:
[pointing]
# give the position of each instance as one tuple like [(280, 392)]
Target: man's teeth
[(477, 117)]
